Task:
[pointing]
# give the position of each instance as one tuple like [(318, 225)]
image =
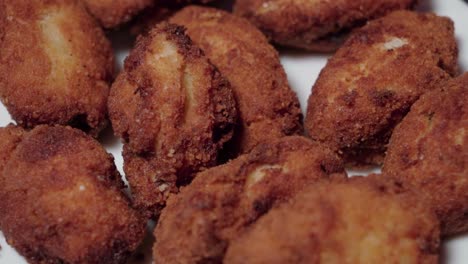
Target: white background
[(302, 69)]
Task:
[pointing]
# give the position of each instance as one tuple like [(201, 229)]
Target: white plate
[(302, 69)]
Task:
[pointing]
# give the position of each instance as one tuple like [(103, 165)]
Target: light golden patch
[(165, 53), (260, 172), (460, 136), (164, 66), (373, 237), (188, 81), (215, 16), (267, 7), (57, 46), (395, 43)]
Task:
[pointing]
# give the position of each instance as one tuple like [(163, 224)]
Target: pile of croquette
[(216, 150)]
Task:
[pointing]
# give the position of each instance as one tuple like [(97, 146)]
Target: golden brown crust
[(268, 108), (369, 85), (175, 112), (198, 223), (347, 222), (61, 199), (149, 18), (427, 153), (113, 13), (55, 64), (10, 137), (314, 25)]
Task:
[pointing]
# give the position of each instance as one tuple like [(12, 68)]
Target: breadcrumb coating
[(314, 25), (114, 13), (342, 222), (55, 66), (369, 85), (175, 112), (62, 200), (199, 223), (268, 108), (428, 154)]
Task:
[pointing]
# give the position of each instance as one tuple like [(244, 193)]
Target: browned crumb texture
[(61, 198), (428, 153), (55, 64), (113, 13), (369, 85), (149, 18), (199, 223), (268, 108), (10, 137), (341, 222), (175, 112), (314, 24)]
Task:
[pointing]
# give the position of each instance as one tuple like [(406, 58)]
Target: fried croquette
[(369, 85), (199, 223), (268, 108), (158, 13), (61, 198), (314, 24), (427, 153), (174, 111), (55, 64), (113, 13), (149, 19), (341, 222), (10, 137)]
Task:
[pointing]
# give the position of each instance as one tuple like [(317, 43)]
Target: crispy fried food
[(268, 108), (427, 153), (113, 13), (180, 3), (314, 25), (175, 112), (342, 222), (150, 18), (10, 137), (198, 224), (369, 85), (155, 15), (61, 198), (55, 64)]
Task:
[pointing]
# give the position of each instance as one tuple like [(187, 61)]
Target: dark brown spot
[(430, 115), (262, 206), (47, 143), (382, 97), (80, 121), (349, 98), (331, 167), (406, 160)]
